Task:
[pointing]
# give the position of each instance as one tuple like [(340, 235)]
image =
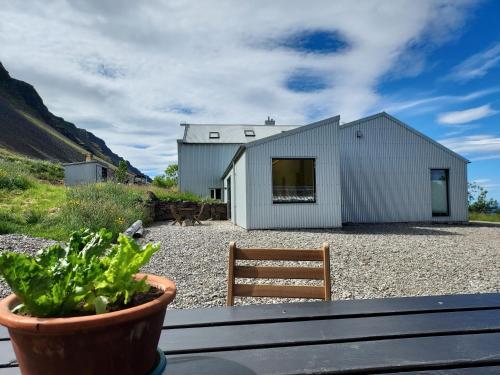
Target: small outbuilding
[(89, 171)]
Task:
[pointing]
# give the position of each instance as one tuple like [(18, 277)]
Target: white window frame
[(213, 193), (249, 133)]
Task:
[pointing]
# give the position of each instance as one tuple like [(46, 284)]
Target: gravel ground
[(367, 261)]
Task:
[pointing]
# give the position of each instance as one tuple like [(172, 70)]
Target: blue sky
[(132, 73)]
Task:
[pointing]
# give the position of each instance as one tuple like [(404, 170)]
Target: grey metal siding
[(386, 174), (82, 173), (201, 166), (320, 143)]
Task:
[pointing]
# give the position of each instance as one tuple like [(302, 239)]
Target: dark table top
[(443, 335)]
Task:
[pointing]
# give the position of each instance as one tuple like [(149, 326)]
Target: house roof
[(295, 130), (230, 133), (407, 127), (86, 162)]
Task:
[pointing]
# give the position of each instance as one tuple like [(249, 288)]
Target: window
[(213, 135), (439, 192), (249, 133), (294, 181), (104, 174), (216, 193)]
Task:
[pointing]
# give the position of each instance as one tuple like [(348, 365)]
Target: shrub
[(8, 222), (177, 196), (33, 216), (121, 172), (12, 177), (45, 170), (163, 182), (169, 179), (105, 205)]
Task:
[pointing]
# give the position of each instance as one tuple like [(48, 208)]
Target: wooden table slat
[(482, 370), (335, 309), (203, 339), (319, 310), (420, 353)]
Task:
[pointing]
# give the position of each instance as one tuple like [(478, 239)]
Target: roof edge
[(407, 127), (240, 151), (297, 130)]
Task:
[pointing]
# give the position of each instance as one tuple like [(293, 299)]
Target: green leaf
[(86, 275), (100, 304)]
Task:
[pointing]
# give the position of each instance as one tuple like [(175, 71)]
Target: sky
[(132, 71)]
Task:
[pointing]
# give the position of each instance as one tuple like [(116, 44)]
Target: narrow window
[(439, 192), (213, 135), (104, 174), (249, 133), (216, 193), (294, 181)]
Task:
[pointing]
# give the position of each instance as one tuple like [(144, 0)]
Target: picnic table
[(186, 215), (442, 335)]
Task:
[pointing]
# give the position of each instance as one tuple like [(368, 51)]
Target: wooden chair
[(261, 272), (197, 217), (176, 216)]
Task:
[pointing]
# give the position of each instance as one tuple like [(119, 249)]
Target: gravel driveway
[(367, 261)]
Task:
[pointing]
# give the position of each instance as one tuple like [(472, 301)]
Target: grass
[(106, 205), (14, 165), (32, 211), (33, 202), (495, 217)]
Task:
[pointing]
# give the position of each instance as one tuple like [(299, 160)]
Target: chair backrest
[(266, 272)]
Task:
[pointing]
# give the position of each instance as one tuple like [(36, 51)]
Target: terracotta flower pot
[(120, 342)]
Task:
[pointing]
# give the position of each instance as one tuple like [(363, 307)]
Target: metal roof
[(235, 134)]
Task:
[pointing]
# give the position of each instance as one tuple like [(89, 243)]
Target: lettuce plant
[(87, 275)]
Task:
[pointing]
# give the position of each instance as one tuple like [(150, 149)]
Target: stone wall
[(160, 210)]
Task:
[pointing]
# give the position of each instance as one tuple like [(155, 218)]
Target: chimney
[(269, 121), (88, 157)]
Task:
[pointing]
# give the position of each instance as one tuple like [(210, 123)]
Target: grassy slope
[(484, 217), (26, 211), (33, 201)]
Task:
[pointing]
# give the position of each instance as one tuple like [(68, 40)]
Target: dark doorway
[(229, 198)]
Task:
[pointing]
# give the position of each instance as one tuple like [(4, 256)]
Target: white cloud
[(467, 115), (431, 103), (476, 147), (137, 65), (478, 65)]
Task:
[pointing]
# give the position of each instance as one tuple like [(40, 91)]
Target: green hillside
[(27, 127)]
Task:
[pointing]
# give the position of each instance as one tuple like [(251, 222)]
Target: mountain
[(29, 128)]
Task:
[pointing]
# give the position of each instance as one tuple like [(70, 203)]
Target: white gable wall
[(319, 142), (386, 174)]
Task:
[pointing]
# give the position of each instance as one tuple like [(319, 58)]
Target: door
[(228, 198)]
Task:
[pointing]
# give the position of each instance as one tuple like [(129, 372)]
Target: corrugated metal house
[(373, 170), (205, 151)]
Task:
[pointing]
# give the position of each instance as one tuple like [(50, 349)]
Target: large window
[(294, 181), (439, 192)]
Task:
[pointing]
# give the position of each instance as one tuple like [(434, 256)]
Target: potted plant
[(81, 308)]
